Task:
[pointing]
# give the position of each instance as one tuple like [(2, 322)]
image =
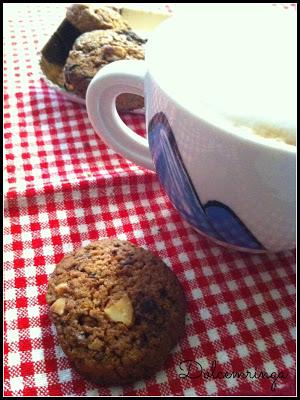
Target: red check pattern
[(64, 188)]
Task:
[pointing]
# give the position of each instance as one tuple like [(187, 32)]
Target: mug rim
[(261, 141)]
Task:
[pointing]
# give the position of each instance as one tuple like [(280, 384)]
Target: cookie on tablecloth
[(92, 51), (118, 311)]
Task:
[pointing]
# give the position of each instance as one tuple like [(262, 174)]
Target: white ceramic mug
[(238, 190)]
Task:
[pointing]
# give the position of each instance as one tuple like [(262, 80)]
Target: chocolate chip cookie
[(92, 51), (118, 311), (87, 17), (79, 18)]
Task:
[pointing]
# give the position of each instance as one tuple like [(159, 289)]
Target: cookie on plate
[(79, 18), (92, 51), (87, 17), (118, 311)]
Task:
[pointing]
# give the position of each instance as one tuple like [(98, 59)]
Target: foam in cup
[(240, 70)]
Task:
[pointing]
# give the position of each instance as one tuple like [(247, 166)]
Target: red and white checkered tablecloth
[(64, 188)]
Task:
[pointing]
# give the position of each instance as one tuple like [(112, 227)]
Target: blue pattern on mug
[(214, 218)]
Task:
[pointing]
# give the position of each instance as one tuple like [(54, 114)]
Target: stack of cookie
[(87, 39)]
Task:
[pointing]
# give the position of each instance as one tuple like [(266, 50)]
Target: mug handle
[(125, 76)]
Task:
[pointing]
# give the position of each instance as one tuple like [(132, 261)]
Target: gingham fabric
[(63, 187)]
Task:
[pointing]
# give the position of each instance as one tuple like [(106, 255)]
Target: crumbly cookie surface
[(88, 18), (93, 50), (118, 310)]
